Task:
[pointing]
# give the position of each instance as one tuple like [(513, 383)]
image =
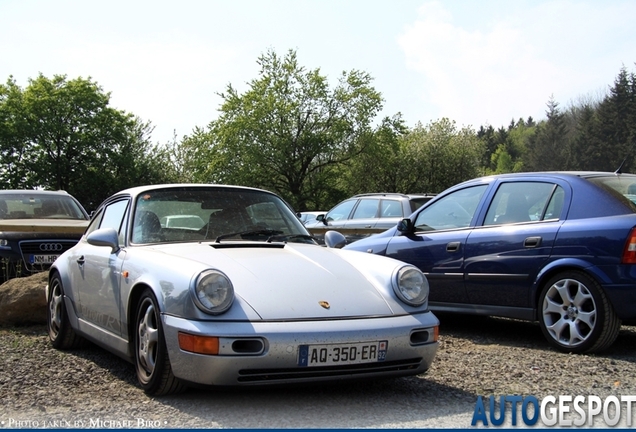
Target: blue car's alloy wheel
[(575, 315)]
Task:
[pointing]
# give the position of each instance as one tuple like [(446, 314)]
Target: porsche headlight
[(213, 292), (411, 286)]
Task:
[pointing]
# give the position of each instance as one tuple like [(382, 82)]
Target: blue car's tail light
[(629, 253)]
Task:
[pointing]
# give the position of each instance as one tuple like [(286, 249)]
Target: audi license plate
[(342, 354), (43, 259)]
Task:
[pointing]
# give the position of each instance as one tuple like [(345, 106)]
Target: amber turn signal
[(199, 344)]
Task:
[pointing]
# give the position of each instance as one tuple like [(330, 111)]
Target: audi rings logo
[(50, 247)]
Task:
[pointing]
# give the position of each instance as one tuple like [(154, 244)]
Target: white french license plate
[(342, 354), (43, 259)]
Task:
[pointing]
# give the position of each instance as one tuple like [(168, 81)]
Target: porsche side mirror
[(104, 237), (335, 240)]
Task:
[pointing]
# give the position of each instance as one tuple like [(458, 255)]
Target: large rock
[(22, 300)]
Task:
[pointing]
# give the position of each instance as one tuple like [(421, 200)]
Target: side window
[(341, 211), (390, 208), (367, 208), (94, 224), (113, 217), (555, 205), (455, 210), (520, 202)]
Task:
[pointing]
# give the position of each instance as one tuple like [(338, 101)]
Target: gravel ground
[(88, 387)]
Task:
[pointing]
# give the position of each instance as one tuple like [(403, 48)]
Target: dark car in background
[(554, 247), (36, 227), (365, 214)]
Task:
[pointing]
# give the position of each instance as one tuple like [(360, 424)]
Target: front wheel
[(575, 314), (61, 334), (151, 355)]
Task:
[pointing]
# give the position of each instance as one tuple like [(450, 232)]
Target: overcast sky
[(475, 62)]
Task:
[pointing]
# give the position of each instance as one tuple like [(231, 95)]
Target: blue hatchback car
[(554, 247)]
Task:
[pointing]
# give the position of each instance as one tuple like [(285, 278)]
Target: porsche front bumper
[(255, 353)]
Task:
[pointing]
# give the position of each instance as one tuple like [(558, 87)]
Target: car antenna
[(620, 168)]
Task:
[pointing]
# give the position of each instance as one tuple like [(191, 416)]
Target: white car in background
[(309, 216), (193, 222)]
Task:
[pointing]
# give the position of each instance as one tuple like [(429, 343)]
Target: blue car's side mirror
[(405, 226)]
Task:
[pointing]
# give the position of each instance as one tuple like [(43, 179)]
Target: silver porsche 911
[(223, 285)]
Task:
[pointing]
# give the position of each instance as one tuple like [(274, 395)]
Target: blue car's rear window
[(620, 186)]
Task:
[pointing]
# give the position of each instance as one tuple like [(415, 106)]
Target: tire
[(61, 334), (575, 314), (152, 364)]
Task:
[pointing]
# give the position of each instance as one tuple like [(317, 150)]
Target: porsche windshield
[(193, 214)]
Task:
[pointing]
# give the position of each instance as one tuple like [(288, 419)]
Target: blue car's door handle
[(532, 242), (452, 247)]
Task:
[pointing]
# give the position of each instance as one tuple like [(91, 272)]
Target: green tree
[(587, 149), (388, 164), (62, 134), (502, 161), (550, 148), (505, 148), (491, 141), (444, 154), (289, 131), (616, 132), (13, 136), (180, 166)]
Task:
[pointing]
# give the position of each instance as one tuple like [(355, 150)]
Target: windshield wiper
[(269, 232), (288, 237)]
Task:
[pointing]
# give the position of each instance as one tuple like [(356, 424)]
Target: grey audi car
[(36, 227)]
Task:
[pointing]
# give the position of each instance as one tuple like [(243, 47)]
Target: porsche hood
[(294, 281)]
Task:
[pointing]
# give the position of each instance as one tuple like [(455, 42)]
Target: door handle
[(452, 246), (532, 242)]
